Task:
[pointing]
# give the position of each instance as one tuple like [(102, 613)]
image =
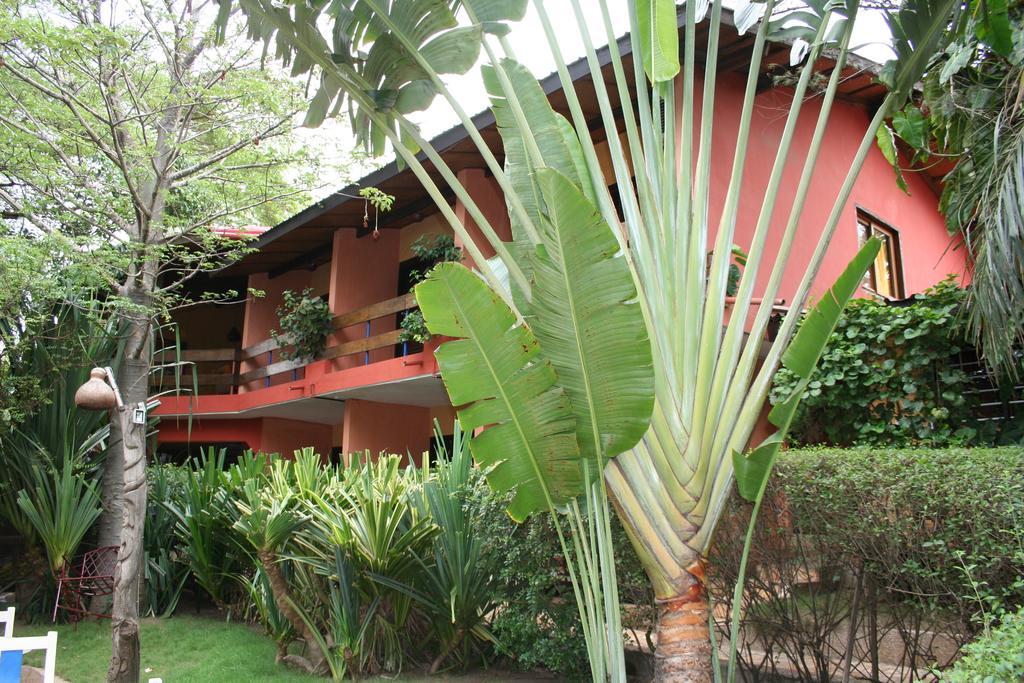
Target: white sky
[(870, 39)]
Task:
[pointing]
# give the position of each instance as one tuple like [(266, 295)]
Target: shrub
[(910, 543), (430, 250), (885, 377), (538, 623), (996, 657)]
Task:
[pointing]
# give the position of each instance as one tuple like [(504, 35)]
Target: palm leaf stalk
[(605, 350)]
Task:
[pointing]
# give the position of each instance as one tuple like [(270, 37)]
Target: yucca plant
[(204, 516), (455, 586), (268, 517), (61, 506), (370, 519), (586, 349)]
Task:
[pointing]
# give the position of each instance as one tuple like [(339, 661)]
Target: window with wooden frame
[(885, 276)]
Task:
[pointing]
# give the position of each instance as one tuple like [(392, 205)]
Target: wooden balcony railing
[(223, 371)]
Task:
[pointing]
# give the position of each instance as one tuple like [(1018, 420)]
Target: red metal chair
[(92, 577)]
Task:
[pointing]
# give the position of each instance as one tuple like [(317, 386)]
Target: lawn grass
[(183, 649), (191, 649)]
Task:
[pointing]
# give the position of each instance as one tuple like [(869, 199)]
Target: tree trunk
[(684, 651), (314, 663), (133, 382), (124, 662)]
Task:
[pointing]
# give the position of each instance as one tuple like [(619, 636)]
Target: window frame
[(893, 245)]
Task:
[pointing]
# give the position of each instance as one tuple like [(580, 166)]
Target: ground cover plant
[(998, 655)]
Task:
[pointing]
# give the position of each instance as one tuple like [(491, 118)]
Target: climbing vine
[(886, 377)]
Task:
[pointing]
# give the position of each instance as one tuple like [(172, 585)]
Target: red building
[(370, 392)]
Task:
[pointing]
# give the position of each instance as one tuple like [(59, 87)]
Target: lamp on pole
[(100, 392)]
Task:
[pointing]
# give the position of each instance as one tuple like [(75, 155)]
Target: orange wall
[(270, 434), (385, 427), (364, 271), (286, 436), (922, 232), (488, 197)]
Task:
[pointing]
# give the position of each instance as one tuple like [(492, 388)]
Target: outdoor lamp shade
[(95, 394)]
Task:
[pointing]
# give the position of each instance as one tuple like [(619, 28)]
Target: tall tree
[(129, 129), (607, 351)]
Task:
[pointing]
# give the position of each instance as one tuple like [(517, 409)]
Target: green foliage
[(167, 568), (306, 322), (968, 117), (61, 506), (204, 517), (538, 624), (371, 566), (995, 657), (456, 587), (885, 377), (382, 201), (430, 250), (933, 537)]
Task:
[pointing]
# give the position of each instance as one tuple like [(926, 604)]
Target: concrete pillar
[(364, 271), (385, 427)]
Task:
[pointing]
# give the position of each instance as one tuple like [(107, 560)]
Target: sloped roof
[(304, 240)]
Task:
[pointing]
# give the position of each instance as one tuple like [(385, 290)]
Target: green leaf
[(496, 10), (585, 315), (415, 96), (912, 127), (887, 145), (960, 58), (800, 358), (658, 36), (994, 28), (553, 134), (455, 51), (496, 373), (753, 468)]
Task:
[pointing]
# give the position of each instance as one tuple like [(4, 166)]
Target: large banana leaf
[(547, 130), (585, 315), (495, 371)]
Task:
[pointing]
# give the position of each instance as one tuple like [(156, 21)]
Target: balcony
[(357, 341)]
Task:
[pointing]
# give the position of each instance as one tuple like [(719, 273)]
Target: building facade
[(371, 392)]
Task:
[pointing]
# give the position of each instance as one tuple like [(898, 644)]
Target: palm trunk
[(314, 663), (684, 651)]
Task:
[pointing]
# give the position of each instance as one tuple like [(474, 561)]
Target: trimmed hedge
[(932, 537)]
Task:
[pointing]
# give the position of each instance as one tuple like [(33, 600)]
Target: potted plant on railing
[(306, 322), (430, 250)]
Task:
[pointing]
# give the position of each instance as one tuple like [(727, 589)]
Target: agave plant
[(455, 584), (586, 349)]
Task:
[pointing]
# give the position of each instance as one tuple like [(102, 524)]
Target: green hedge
[(942, 525), (933, 537)]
